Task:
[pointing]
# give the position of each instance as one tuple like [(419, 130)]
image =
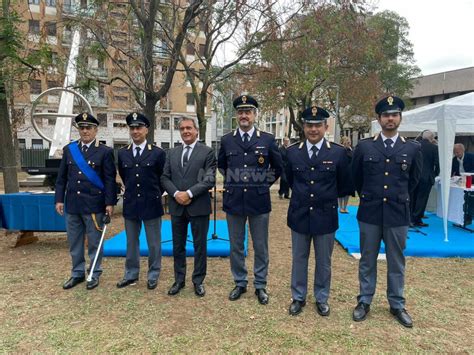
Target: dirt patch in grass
[(39, 316)]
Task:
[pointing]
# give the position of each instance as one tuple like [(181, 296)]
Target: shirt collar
[(250, 133), (87, 144), (394, 138), (318, 145), (142, 146), (192, 145)]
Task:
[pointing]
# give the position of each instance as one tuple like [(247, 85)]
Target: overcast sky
[(442, 32)]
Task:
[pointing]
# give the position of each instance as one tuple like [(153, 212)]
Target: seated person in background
[(463, 162)]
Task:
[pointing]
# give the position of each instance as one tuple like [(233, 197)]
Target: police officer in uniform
[(85, 194), (386, 169), (250, 162), (140, 166), (317, 174)]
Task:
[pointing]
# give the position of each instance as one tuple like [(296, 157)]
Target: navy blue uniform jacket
[(316, 187), (249, 169), (141, 177), (75, 189), (385, 181)]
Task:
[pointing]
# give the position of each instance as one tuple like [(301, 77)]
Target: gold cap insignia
[(135, 116), (390, 100), (84, 116), (244, 99), (314, 110)]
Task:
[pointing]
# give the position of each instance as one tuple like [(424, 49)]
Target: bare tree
[(238, 28), (142, 40)]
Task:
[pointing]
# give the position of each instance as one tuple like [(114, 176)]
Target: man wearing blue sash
[(140, 166), (85, 190)]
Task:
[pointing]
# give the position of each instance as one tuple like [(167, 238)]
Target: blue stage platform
[(117, 245), (431, 245)]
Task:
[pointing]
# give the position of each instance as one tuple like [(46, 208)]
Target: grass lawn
[(39, 316)]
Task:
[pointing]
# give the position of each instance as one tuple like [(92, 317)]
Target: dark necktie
[(388, 145), (246, 137), (84, 149), (186, 155), (137, 154), (315, 151)]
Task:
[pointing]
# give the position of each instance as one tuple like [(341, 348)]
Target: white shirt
[(141, 146), (191, 148), (394, 139), (189, 151), (309, 145), (88, 145), (250, 133)]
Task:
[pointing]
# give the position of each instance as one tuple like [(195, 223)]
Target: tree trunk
[(294, 123), (201, 115), (10, 177), (150, 105)]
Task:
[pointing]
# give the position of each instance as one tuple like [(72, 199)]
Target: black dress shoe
[(237, 292), (124, 283), (199, 290), (151, 284), (92, 284), (174, 290), (402, 316), (262, 296), (360, 312), (322, 308), (421, 224), (296, 307), (73, 281)]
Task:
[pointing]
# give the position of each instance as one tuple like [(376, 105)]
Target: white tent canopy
[(447, 118)]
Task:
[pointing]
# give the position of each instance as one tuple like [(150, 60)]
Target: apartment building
[(49, 22)]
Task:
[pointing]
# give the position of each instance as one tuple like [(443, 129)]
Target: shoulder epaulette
[(338, 144)]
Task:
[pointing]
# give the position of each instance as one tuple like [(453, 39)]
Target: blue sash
[(84, 167)]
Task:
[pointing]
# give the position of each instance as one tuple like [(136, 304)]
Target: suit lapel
[(378, 144), (146, 152), (397, 146), (304, 151)]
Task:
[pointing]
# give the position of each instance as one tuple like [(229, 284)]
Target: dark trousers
[(420, 200), (199, 229), (284, 187)]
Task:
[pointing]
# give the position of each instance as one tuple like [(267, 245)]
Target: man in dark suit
[(386, 169), (430, 170), (250, 162), (140, 166), (462, 162), (86, 185), (190, 172), (284, 191), (317, 174)]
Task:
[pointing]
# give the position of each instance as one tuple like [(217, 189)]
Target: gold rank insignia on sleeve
[(390, 100)]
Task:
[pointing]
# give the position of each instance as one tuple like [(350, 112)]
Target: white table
[(456, 203)]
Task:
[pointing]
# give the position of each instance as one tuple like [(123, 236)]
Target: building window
[(176, 123), (21, 143), (33, 2), (35, 87), (51, 28), (165, 123), (101, 91), (189, 99), (190, 49), (53, 84), (119, 125), (120, 98), (165, 145), (51, 3), (102, 118), (34, 26), (37, 144)]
